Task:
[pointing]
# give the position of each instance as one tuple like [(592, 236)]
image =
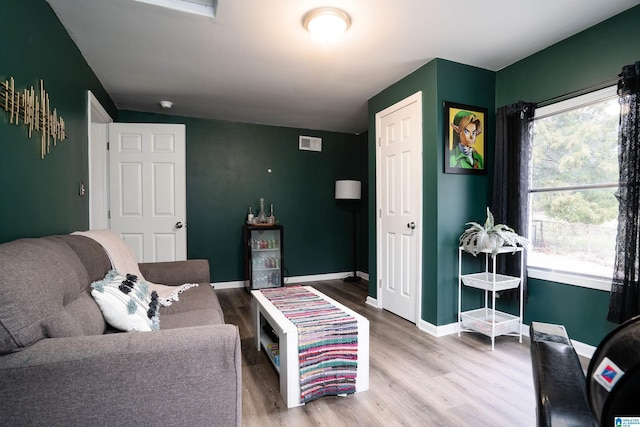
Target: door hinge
[(108, 214), (380, 213), (380, 283), (379, 141), (108, 145)]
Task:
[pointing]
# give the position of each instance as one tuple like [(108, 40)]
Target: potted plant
[(491, 237)]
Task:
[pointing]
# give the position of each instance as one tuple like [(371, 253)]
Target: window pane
[(576, 147), (574, 231)]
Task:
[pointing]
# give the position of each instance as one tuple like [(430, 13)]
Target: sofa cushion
[(93, 256), (126, 302), (197, 306), (45, 293)]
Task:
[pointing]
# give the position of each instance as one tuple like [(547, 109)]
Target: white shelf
[(265, 340), (482, 320), (486, 281), (487, 320)]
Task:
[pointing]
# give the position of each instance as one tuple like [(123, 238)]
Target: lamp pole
[(350, 190), (355, 277)]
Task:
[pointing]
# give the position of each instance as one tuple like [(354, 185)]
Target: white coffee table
[(289, 369)]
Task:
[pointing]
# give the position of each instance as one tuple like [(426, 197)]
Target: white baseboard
[(295, 279), (326, 276), (372, 302), (228, 285), (438, 331), (584, 350), (316, 277)]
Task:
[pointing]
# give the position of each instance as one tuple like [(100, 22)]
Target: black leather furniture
[(609, 392)]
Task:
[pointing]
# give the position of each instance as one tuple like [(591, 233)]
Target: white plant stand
[(487, 320)]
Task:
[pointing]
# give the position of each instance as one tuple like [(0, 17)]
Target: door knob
[(411, 225), (179, 224)]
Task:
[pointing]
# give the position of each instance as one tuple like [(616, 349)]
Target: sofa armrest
[(558, 379), (187, 376), (175, 273)]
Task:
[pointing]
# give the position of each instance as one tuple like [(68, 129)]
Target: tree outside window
[(574, 174)]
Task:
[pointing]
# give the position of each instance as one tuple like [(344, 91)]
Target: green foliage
[(490, 237), (584, 207), (577, 147)]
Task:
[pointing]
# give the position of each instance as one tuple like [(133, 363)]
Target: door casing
[(98, 166), (415, 98), (98, 190)]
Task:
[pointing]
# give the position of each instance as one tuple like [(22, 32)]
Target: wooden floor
[(415, 378)]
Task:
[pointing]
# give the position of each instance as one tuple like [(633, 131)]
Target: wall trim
[(584, 350), (227, 285), (295, 279), (438, 331), (411, 100), (568, 278)]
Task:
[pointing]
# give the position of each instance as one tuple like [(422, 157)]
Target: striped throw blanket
[(327, 342)]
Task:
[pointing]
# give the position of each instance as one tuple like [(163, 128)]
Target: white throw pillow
[(126, 302)]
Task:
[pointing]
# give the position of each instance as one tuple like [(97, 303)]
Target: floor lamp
[(350, 190)]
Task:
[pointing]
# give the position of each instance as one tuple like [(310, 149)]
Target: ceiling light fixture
[(166, 104), (326, 23)]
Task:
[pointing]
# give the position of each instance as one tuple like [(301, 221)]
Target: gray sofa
[(60, 363)]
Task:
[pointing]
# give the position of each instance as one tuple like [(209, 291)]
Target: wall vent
[(310, 143)]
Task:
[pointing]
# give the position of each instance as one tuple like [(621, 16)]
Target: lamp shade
[(348, 189)]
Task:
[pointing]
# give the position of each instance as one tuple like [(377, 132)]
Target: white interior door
[(399, 190), (147, 187), (98, 136)]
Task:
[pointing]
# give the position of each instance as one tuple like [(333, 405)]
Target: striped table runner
[(327, 341)]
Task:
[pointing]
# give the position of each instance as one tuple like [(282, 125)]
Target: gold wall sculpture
[(35, 112)]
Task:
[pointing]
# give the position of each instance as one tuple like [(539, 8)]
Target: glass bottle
[(250, 216), (262, 218), (271, 219)]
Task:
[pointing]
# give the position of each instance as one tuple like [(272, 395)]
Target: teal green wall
[(449, 200), (581, 310), (586, 59), (40, 197), (460, 198), (227, 167)]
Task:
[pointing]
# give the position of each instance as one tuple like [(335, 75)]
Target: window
[(574, 177)]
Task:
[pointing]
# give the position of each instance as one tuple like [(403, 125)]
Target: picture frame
[(465, 154)]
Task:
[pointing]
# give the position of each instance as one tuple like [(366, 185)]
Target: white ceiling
[(255, 63)]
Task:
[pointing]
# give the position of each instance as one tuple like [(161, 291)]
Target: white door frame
[(97, 137), (147, 188), (417, 98)]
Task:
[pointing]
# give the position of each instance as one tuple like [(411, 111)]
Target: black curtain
[(625, 289), (510, 196)]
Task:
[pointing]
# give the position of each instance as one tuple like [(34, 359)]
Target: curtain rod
[(578, 92)]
